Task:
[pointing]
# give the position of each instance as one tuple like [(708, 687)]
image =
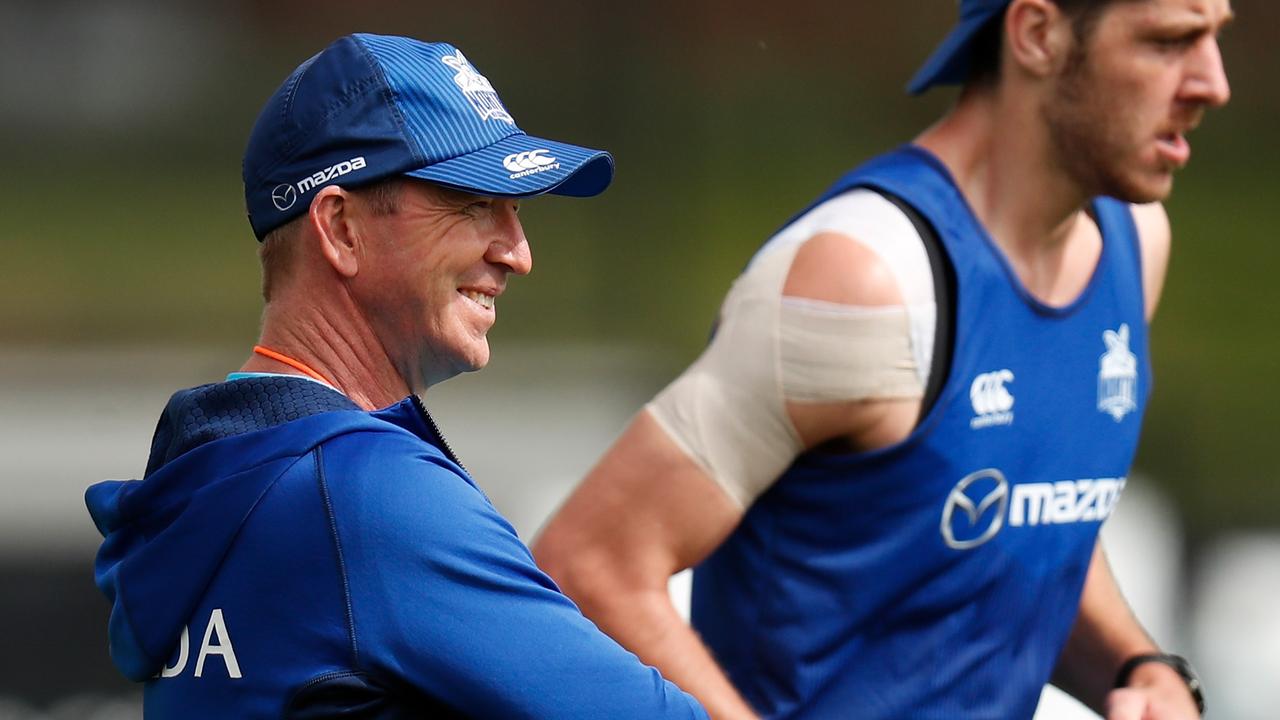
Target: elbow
[(550, 555), (584, 572), (563, 560)]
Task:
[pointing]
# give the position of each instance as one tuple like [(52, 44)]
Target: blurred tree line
[(123, 124)]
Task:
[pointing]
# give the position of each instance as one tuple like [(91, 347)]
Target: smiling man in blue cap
[(922, 400), (304, 544)]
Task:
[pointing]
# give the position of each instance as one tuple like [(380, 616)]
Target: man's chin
[(1140, 191), (477, 359), (437, 374)]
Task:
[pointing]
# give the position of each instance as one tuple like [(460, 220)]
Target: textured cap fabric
[(949, 63), (373, 106)]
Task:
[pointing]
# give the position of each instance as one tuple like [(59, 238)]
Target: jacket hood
[(217, 450)]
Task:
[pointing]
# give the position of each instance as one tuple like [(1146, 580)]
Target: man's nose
[(511, 247), (1207, 78)]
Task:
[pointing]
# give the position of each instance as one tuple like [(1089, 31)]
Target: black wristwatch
[(1177, 662)]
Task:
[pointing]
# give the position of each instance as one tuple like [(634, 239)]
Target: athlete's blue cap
[(372, 106), (949, 63)]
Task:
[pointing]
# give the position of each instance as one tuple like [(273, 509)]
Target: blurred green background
[(122, 127), (123, 231)]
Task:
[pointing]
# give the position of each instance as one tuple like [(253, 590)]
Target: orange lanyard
[(295, 364)]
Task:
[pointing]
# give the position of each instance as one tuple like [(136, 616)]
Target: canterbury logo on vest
[(984, 502), (992, 402)]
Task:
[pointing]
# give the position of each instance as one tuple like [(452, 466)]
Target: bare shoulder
[(1153, 223), (837, 268), (1155, 239)]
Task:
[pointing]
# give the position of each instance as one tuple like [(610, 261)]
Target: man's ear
[(330, 217), (1038, 38)]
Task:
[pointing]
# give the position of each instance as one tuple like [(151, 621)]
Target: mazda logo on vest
[(983, 499)]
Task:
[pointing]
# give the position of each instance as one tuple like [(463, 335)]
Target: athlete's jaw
[(1110, 146)]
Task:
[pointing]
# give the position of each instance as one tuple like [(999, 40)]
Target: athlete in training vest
[(922, 399)]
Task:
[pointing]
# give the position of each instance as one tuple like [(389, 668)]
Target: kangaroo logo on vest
[(1117, 375), (992, 402)]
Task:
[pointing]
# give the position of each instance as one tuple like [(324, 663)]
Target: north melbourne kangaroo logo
[(1117, 375), (992, 402), (477, 89)]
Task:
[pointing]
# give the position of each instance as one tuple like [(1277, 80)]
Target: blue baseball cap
[(373, 106), (949, 63)]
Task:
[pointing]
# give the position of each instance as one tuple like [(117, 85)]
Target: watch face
[(1177, 662)]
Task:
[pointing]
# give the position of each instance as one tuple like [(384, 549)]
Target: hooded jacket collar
[(216, 452)]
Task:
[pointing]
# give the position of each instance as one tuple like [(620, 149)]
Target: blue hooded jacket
[(289, 555)]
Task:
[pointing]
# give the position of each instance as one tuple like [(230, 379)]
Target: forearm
[(1091, 658), (647, 623), (645, 512), (1106, 634)]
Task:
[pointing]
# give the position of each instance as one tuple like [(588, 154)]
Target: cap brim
[(949, 63), (521, 165)]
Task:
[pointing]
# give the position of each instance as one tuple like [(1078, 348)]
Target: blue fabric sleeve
[(446, 598)]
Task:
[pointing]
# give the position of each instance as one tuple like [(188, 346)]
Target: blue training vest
[(938, 578)]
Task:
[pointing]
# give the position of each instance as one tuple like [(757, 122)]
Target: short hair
[(985, 52), (278, 247)]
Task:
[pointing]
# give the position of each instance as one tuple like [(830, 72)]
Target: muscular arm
[(648, 510), (645, 512), (1106, 632)]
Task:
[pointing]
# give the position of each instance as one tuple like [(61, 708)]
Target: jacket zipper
[(435, 430)]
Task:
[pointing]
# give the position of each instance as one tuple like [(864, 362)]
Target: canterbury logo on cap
[(529, 162)]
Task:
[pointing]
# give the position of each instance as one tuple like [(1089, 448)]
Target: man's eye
[(1178, 42)]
